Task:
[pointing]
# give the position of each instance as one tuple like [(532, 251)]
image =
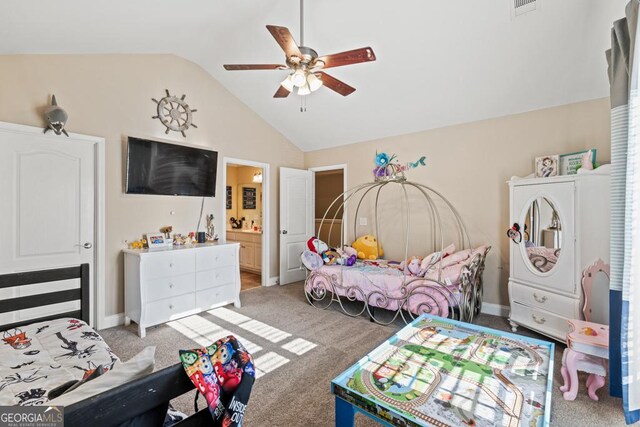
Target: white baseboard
[(495, 309), (113, 321), (275, 280)]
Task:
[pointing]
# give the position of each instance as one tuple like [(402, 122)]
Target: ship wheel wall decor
[(174, 113)]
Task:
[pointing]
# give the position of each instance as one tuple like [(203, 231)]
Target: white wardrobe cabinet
[(564, 222)]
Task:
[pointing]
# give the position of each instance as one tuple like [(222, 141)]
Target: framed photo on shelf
[(156, 241), (570, 163), (546, 166)]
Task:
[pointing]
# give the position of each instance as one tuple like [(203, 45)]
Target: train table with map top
[(440, 372)]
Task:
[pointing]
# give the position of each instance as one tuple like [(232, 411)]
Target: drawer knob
[(170, 306), (170, 265), (538, 320), (541, 299), (170, 285)]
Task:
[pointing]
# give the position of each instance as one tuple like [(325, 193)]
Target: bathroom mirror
[(246, 202), (542, 236)]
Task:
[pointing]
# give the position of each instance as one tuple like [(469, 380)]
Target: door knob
[(284, 231), (86, 245)]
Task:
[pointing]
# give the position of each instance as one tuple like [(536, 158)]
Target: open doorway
[(329, 184), (246, 218)]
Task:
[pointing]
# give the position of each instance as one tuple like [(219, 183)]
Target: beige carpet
[(297, 393)]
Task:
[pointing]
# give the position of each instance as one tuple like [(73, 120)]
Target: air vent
[(520, 7)]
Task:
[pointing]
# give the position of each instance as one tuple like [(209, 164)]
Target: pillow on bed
[(138, 366), (431, 259)]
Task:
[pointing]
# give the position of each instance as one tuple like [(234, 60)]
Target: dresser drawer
[(169, 309), (171, 263), (210, 298), (215, 278), (545, 300), (216, 257), (540, 320), (166, 287)]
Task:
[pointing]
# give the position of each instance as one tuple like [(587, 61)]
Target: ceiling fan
[(305, 65)]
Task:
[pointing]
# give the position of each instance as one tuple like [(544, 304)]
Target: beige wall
[(471, 163), (110, 96)]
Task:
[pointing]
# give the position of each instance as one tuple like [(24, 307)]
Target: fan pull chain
[(303, 104)]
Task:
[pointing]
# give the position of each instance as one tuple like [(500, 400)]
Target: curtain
[(624, 324)]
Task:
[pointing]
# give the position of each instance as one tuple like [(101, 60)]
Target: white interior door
[(47, 186), (296, 221)]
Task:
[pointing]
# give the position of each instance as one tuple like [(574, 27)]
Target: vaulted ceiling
[(440, 62)]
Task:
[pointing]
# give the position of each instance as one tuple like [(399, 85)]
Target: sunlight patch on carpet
[(256, 327), (299, 346), (268, 363), (205, 333)]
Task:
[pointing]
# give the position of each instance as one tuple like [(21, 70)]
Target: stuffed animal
[(367, 247), (330, 257), (411, 266), (348, 256), (316, 245)]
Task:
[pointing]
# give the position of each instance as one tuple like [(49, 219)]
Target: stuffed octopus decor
[(174, 113)]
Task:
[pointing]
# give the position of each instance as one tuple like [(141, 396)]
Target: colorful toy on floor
[(367, 247), (224, 373), (440, 372)]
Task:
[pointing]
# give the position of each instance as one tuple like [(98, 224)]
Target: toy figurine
[(211, 230), (56, 118)]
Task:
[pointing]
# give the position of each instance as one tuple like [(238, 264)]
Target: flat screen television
[(169, 169)]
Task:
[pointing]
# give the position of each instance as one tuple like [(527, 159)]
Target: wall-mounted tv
[(169, 169)]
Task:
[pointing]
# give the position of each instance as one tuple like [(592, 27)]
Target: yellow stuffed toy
[(367, 247)]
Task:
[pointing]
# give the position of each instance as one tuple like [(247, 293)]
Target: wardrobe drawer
[(213, 297), (169, 287), (171, 263), (215, 278), (216, 257), (168, 309), (541, 320), (543, 299)]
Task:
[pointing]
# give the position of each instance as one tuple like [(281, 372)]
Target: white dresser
[(567, 230), (167, 284)]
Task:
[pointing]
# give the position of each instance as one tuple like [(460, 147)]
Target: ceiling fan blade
[(349, 57), (285, 40), (281, 92), (245, 67), (335, 84)]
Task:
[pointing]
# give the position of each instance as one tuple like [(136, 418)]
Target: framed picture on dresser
[(156, 240)]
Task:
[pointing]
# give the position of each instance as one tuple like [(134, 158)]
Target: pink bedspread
[(384, 287)]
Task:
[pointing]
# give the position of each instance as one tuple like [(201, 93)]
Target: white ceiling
[(440, 62)]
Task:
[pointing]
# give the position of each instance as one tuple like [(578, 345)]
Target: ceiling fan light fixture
[(287, 84), (314, 82), (304, 90), (299, 78)]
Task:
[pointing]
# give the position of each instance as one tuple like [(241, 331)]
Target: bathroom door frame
[(266, 213)]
